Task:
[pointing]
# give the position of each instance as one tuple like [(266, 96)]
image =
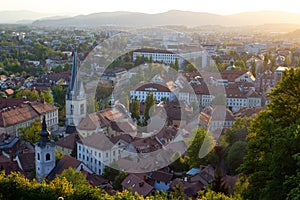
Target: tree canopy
[(273, 143)]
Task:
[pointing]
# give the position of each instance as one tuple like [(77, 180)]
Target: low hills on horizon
[(172, 17)]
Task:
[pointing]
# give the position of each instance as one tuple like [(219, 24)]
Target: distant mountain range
[(173, 17), (25, 17)]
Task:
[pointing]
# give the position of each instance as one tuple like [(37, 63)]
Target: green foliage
[(31, 133), (195, 146), (293, 181), (135, 109), (238, 131), (47, 96), (16, 186), (29, 94), (118, 180), (273, 141), (189, 68), (149, 103), (76, 178), (180, 163), (211, 195), (178, 193), (58, 155), (59, 95), (235, 155), (218, 185)]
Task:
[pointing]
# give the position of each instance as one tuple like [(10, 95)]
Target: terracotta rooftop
[(24, 112), (189, 189), (136, 184), (97, 141), (247, 112), (64, 163), (231, 75), (69, 141), (154, 87), (27, 161), (16, 115), (162, 176)]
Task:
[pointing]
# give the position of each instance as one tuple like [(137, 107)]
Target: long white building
[(158, 56), (159, 92)]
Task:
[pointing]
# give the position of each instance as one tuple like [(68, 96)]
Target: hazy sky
[(152, 6)]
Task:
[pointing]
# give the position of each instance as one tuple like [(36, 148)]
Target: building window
[(72, 109), (38, 156), (82, 109), (47, 156)]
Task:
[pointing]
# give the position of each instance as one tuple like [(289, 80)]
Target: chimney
[(141, 184)]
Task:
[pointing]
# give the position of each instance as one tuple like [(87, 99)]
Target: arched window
[(38, 156), (47, 156)]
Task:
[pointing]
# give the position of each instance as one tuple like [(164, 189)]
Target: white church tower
[(75, 97), (44, 153)]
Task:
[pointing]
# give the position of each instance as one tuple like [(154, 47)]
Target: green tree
[(135, 109), (235, 155), (31, 133), (47, 96), (77, 178), (59, 95), (150, 102), (189, 68), (197, 143), (273, 141), (293, 181), (58, 155), (29, 94), (253, 68), (178, 193), (238, 131)]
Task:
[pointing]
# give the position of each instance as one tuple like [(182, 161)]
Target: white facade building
[(158, 56), (159, 92), (97, 150)]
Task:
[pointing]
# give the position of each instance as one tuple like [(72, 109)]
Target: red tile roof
[(27, 161), (64, 163), (162, 176), (137, 185), (69, 141), (25, 111)]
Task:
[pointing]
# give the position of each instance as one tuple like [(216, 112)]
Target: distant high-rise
[(75, 97)]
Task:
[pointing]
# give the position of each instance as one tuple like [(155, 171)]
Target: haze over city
[(75, 7)]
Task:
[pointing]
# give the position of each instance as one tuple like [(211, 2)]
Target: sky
[(222, 7)]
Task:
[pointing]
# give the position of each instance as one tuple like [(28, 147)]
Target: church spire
[(72, 88), (44, 134)]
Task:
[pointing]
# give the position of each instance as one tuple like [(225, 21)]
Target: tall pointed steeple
[(72, 87), (75, 97)]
